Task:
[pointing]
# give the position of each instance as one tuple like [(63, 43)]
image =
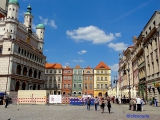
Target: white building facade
[(22, 62)]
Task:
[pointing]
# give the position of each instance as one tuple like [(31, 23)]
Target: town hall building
[(22, 63)]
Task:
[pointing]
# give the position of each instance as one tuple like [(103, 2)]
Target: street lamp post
[(116, 81)]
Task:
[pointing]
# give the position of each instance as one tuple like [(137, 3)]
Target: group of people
[(101, 102), (136, 104)]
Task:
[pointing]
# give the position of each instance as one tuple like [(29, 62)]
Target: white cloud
[(118, 34), (21, 13), (91, 34), (77, 60), (46, 21), (46, 50), (52, 23), (118, 46), (114, 67), (66, 64), (82, 52)]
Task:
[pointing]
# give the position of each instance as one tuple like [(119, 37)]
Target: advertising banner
[(55, 99)]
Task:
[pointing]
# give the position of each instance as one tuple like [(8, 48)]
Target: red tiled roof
[(88, 67), (78, 66), (102, 65), (53, 65), (67, 67)]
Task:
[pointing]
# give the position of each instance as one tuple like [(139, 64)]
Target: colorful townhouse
[(88, 81), (102, 79), (53, 80), (77, 81), (67, 81)]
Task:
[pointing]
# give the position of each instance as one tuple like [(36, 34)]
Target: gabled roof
[(67, 67), (78, 66), (88, 67), (53, 65), (102, 65)]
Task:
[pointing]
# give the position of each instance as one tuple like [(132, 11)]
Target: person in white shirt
[(138, 102)]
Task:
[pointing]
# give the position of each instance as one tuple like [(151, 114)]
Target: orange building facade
[(88, 81), (67, 81)]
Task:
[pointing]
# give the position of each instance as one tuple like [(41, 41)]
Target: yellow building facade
[(102, 79)]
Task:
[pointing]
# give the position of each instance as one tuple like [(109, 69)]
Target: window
[(65, 77), (88, 71), (102, 86), (69, 71), (59, 71), (106, 86), (50, 85), (58, 85), (55, 85), (90, 86), (79, 85), (54, 71), (50, 71), (30, 20), (45, 85), (98, 71), (59, 78), (85, 85), (101, 71), (98, 78), (65, 71), (98, 86), (69, 86), (54, 78), (101, 78), (79, 77), (106, 71), (75, 77), (90, 77), (46, 77), (51, 78), (105, 78), (46, 71), (85, 77), (75, 71), (69, 77), (1, 47), (80, 71), (64, 85), (74, 85)]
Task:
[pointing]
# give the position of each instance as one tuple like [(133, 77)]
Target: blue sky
[(85, 32)]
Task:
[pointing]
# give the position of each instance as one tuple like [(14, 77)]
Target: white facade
[(22, 62), (53, 80)]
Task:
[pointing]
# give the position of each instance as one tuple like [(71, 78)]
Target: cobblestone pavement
[(53, 112)]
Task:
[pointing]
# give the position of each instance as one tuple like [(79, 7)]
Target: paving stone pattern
[(62, 112)]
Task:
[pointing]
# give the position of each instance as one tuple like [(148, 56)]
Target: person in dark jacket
[(102, 106), (88, 103), (109, 106), (6, 102)]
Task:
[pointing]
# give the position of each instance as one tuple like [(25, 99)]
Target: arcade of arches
[(27, 71), (21, 85)]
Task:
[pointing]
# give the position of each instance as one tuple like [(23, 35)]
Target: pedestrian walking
[(96, 101), (142, 102), (6, 102), (102, 106), (88, 103), (109, 106), (138, 102), (155, 103)]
